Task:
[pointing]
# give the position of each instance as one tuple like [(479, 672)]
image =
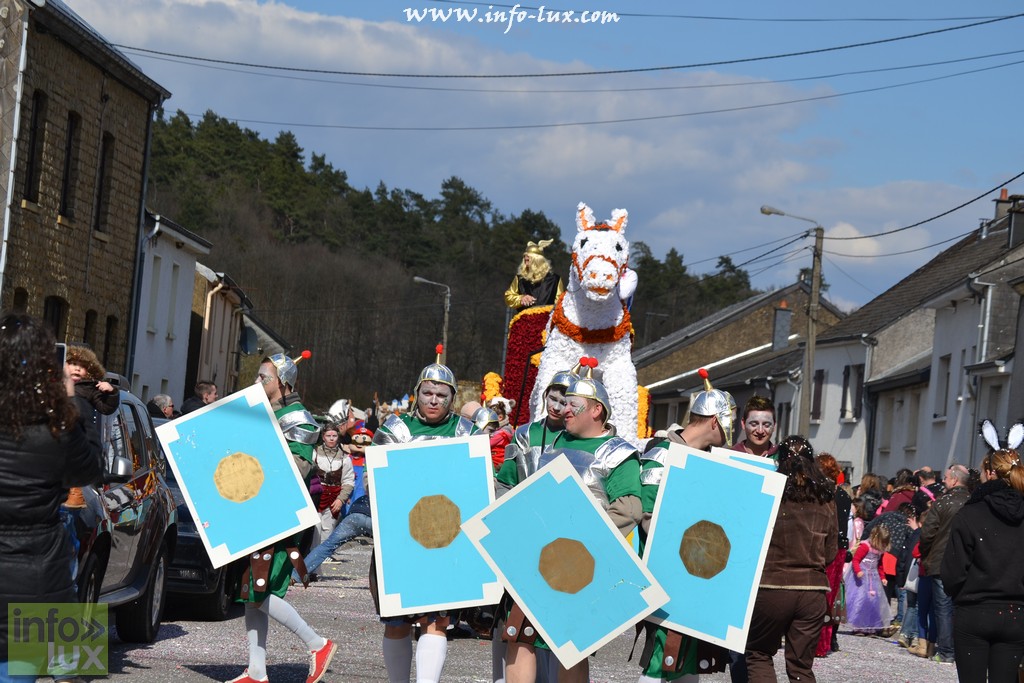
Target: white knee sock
[(431, 650), (285, 614), (398, 659), (256, 625)]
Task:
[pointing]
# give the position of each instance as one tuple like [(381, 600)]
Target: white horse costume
[(592, 319)]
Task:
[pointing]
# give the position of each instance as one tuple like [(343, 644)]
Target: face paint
[(433, 400), (576, 405)]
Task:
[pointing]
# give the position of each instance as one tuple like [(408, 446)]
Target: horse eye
[(618, 247), (583, 242)]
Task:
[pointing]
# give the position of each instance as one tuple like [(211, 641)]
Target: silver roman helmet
[(588, 387), (714, 402), (287, 371), (484, 417), (436, 372)]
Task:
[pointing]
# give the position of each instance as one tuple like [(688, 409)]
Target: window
[(913, 415), (942, 387), (108, 339), (20, 300), (816, 395), (172, 308), (69, 182), (103, 183), (885, 415), (783, 413), (34, 151), (140, 460), (55, 313), (154, 294), (89, 333), (853, 389)]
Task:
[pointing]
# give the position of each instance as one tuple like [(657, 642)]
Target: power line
[(703, 17), (582, 91), (933, 218), (850, 277), (603, 122), (603, 72), (900, 253)]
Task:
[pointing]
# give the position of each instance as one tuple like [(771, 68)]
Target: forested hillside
[(330, 266)]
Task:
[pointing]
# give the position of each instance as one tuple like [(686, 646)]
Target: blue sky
[(857, 163)]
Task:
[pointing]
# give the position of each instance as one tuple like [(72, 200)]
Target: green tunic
[(279, 578), (528, 437)]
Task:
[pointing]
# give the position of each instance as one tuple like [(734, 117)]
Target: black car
[(192, 581), (128, 528)]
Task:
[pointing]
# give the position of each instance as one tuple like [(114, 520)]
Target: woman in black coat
[(981, 572), (45, 447)]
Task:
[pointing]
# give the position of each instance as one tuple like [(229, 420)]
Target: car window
[(130, 419), (152, 444)]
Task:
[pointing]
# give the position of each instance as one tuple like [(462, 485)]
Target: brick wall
[(63, 256)]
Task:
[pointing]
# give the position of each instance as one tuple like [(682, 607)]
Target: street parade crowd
[(932, 558)]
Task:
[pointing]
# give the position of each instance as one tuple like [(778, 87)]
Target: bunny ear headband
[(1014, 436)]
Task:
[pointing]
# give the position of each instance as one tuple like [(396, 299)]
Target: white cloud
[(693, 182)]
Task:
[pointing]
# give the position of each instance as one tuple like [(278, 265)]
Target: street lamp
[(804, 425), (447, 306)]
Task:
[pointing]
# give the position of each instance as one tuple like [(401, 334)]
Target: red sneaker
[(319, 660), (246, 678)]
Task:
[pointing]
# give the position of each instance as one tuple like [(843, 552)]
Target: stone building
[(76, 121)]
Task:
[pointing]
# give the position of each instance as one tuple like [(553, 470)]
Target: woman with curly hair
[(45, 447), (791, 598)]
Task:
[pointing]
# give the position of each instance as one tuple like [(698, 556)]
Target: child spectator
[(867, 607), (86, 371)]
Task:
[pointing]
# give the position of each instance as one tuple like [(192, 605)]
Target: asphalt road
[(339, 607)]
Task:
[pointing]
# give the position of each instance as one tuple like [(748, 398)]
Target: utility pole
[(807, 381), (812, 334)]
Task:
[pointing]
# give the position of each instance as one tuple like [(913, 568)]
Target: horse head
[(600, 253)]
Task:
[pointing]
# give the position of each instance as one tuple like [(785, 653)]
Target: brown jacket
[(803, 543)]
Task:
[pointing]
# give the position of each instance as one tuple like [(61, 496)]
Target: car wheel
[(90, 579), (217, 605), (139, 621)]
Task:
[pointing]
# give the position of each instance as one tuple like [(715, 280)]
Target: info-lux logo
[(57, 639)]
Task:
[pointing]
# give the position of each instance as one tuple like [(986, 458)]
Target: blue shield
[(420, 493), (564, 562), (237, 476), (709, 536)]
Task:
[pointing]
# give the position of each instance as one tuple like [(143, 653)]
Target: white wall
[(844, 438), (948, 416), (165, 305)]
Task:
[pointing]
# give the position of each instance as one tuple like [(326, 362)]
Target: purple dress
[(867, 607)]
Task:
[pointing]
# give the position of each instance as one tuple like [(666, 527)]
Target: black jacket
[(191, 403), (35, 471), (983, 559)]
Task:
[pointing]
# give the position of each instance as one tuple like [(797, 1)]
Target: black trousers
[(988, 640)]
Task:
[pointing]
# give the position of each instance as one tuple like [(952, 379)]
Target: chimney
[(1002, 204), (1016, 214), (781, 326)]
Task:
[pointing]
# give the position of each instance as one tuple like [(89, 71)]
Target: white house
[(169, 256), (903, 381)]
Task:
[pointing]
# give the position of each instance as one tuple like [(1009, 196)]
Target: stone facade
[(74, 227)]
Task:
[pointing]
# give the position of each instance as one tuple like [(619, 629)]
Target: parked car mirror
[(120, 471)]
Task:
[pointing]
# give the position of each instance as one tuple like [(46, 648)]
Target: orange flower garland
[(585, 335), (643, 411)]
